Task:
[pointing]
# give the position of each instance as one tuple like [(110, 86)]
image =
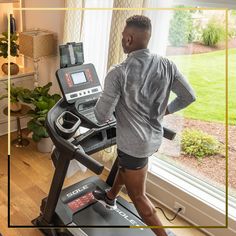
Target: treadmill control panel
[(86, 112), (80, 86), (79, 82)]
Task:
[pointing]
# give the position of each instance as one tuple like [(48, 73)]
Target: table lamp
[(36, 44)]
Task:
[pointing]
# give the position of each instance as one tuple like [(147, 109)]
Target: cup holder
[(67, 124)]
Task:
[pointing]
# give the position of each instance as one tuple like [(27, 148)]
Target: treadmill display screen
[(78, 78)]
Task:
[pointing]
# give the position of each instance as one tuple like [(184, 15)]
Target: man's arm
[(110, 96), (183, 90)]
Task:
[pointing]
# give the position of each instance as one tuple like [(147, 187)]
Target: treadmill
[(73, 210)]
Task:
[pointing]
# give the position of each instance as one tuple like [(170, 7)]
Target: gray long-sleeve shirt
[(138, 90)]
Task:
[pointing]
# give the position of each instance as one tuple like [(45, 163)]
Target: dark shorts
[(129, 162)]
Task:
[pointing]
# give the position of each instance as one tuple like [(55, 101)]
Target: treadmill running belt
[(98, 215)]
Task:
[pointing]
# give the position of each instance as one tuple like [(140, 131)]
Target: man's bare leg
[(116, 187), (135, 182)]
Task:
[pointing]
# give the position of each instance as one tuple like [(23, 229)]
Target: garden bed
[(214, 167), (211, 169)]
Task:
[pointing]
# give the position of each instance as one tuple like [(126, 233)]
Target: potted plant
[(14, 48), (15, 97), (42, 102)]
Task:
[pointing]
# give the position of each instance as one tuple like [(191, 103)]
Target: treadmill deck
[(77, 206)]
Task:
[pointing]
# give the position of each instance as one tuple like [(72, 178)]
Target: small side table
[(19, 141)]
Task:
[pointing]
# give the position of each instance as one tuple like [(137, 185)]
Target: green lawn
[(206, 73)]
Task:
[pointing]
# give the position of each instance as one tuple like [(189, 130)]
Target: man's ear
[(129, 40)]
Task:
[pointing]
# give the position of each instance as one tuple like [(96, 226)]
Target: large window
[(204, 66), (196, 161)]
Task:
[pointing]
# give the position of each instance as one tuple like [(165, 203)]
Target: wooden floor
[(30, 174)]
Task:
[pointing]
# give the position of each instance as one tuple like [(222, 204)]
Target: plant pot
[(14, 68), (15, 106), (45, 145)]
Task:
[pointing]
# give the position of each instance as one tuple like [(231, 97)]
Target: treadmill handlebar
[(88, 161)]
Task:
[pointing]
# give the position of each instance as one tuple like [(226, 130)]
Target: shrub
[(199, 144), (232, 33), (213, 33), (181, 28)]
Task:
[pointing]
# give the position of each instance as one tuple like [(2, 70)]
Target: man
[(138, 90)]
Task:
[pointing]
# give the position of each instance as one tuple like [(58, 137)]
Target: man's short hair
[(139, 21)]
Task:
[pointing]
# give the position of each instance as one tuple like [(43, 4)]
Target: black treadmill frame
[(66, 152), (62, 164)]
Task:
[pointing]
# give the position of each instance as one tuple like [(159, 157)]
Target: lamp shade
[(37, 43)]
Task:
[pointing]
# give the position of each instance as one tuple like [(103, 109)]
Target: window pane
[(196, 44)]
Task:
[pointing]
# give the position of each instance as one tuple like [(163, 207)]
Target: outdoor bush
[(199, 144), (213, 33), (232, 33), (181, 28)]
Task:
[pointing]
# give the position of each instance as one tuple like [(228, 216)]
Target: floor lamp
[(36, 44)]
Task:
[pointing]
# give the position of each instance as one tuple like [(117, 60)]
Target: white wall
[(52, 20)]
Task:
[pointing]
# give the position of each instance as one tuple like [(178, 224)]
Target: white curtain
[(160, 25), (95, 35), (116, 54), (73, 21), (92, 27)]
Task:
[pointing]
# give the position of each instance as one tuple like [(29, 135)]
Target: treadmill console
[(79, 82), (80, 85)]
